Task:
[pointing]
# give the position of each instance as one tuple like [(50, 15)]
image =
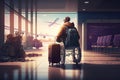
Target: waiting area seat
[(107, 43)]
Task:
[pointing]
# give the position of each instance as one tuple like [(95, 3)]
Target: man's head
[(67, 19)]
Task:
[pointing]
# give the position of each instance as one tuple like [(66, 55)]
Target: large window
[(23, 29), (29, 28), (49, 24), (15, 22), (7, 21)]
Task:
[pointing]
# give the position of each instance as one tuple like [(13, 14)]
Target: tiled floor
[(94, 66)]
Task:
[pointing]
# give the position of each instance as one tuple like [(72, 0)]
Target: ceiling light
[(84, 9), (86, 2)]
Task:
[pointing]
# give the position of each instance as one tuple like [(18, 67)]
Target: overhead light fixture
[(86, 2), (84, 9)]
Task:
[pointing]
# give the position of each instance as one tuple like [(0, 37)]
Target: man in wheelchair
[(70, 38)]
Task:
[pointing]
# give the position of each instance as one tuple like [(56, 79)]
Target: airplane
[(54, 22)]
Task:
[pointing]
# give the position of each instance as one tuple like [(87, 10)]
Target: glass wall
[(29, 28), (23, 29), (49, 24), (15, 22), (7, 21), (34, 24), (14, 7)]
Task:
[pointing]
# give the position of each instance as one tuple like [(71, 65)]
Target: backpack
[(72, 37)]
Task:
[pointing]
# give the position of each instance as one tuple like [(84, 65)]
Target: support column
[(84, 40), (1, 22), (11, 17), (81, 35), (31, 18), (35, 18), (26, 15), (19, 16)]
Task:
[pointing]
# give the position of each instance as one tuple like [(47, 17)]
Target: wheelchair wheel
[(77, 56)]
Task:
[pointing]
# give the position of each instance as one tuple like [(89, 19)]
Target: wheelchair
[(74, 52)]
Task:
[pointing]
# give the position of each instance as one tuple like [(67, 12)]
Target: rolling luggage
[(54, 53)]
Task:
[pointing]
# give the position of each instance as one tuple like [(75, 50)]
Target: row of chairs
[(107, 43)]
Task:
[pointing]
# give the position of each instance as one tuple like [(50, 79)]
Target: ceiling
[(73, 5), (99, 5), (57, 5)]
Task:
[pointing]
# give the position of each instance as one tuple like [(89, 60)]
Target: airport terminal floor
[(94, 66)]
